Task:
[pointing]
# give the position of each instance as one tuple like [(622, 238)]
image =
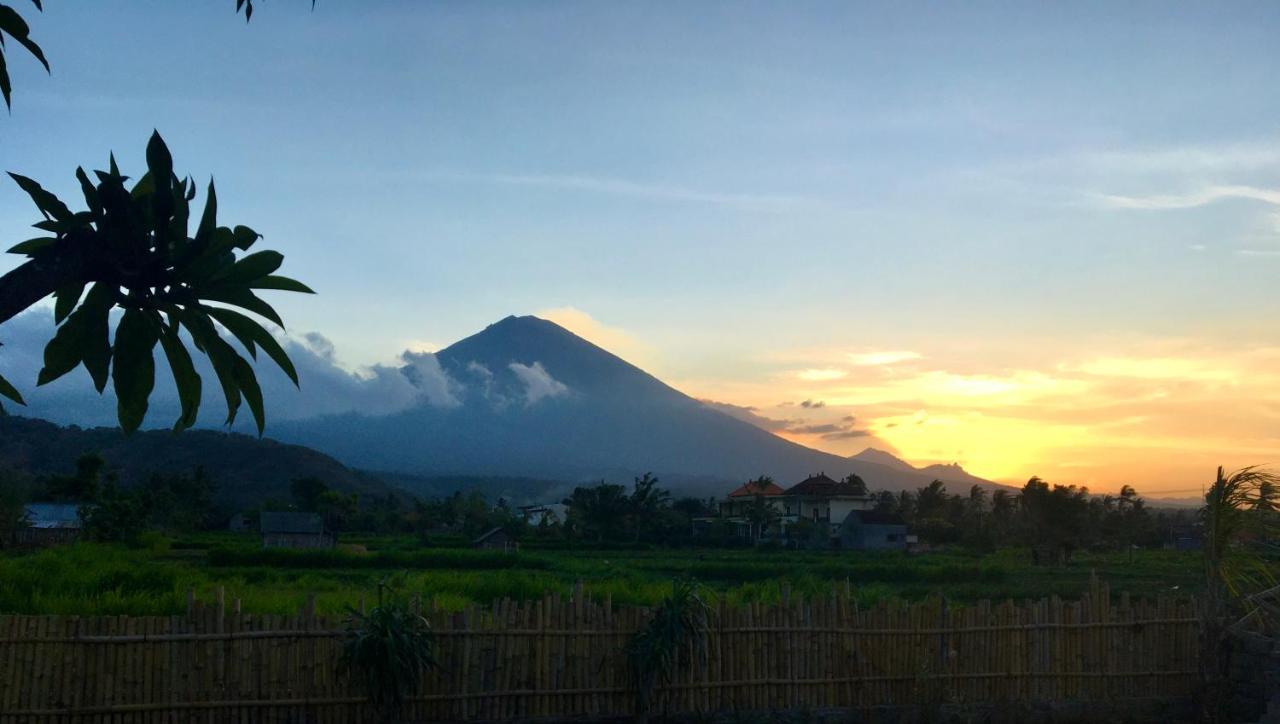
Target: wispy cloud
[(890, 357), (1186, 158), (661, 192), (821, 374), (1201, 197)]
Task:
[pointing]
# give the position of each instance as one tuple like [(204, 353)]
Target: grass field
[(106, 579)]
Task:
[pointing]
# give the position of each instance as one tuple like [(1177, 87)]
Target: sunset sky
[(1028, 238)]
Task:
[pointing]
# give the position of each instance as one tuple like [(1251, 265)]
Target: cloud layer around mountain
[(327, 388)]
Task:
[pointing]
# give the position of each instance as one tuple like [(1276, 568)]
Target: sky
[(1028, 238)]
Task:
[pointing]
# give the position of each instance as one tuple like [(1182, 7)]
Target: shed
[(497, 539), (240, 523), (294, 530), (872, 530), (49, 524)]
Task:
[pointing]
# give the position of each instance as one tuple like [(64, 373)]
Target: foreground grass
[(92, 578)]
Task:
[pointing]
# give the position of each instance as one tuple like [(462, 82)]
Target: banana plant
[(131, 249)]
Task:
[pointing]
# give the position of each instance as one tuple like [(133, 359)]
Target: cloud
[(423, 370), (1202, 197), (889, 357), (846, 434), (821, 375), (538, 383), (812, 405), (326, 387), (750, 415), (613, 339), (819, 429), (658, 192)]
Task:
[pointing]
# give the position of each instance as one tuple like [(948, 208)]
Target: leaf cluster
[(131, 249), (12, 25), (388, 650), (677, 632)]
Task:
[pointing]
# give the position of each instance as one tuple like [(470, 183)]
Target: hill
[(245, 470)]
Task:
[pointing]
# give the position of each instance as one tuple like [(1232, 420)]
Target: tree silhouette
[(12, 24), (131, 250)]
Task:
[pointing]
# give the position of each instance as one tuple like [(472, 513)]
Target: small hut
[(497, 540), (294, 530), (49, 524)]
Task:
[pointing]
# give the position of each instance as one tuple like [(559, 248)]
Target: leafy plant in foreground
[(672, 638), (131, 250), (388, 650)]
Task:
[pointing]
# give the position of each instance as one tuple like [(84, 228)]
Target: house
[(49, 524), (742, 507), (873, 530), (822, 500), (813, 508), (497, 539), (294, 530)]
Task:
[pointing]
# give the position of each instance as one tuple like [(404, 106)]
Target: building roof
[(749, 488), (291, 523), (53, 515), (491, 533), (821, 486)]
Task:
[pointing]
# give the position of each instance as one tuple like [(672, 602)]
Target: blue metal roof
[(53, 515)]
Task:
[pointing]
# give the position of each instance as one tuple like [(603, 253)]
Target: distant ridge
[(246, 471)]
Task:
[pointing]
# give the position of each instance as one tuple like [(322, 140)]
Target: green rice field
[(92, 578)]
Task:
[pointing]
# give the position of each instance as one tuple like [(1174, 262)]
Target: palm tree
[(1240, 586), (646, 502)]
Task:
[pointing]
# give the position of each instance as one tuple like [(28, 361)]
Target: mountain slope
[(535, 400), (245, 470)]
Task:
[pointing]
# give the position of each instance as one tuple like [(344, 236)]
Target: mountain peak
[(880, 457), (566, 357)]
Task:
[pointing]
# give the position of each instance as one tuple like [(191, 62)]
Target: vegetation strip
[(311, 633)]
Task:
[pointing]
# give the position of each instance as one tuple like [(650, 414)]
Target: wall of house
[(45, 536), (841, 507), (297, 540), (874, 537)]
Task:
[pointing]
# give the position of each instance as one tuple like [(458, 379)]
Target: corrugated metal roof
[(53, 515), (291, 523)]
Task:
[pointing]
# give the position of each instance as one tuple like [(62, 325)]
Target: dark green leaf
[(219, 352), (31, 246), (251, 267), (6, 87), (48, 204), (209, 219), (9, 391), (245, 237), (248, 384), (251, 333), (96, 335), (64, 352), (65, 300), (134, 371), (15, 26), (281, 283), (245, 299), (185, 377), (90, 193)]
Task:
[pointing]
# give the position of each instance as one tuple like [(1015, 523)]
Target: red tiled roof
[(750, 489)]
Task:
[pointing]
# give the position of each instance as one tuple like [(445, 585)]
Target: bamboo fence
[(564, 657)]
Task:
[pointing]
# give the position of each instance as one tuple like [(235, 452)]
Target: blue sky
[(731, 193)]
